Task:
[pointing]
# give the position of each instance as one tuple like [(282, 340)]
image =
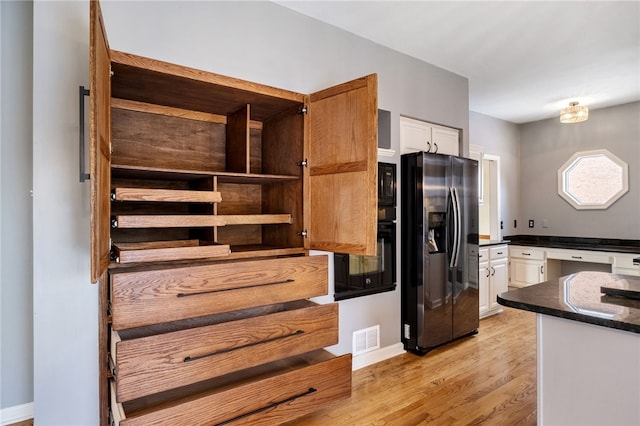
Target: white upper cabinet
[(416, 135)]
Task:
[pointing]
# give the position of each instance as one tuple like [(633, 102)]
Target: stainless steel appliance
[(439, 261)]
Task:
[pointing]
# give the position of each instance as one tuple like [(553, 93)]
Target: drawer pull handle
[(526, 254), (576, 257), (248, 345), (500, 252), (268, 407), (231, 289)]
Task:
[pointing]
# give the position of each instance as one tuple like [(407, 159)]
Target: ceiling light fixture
[(574, 113)]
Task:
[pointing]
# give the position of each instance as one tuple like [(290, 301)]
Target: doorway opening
[(489, 208)]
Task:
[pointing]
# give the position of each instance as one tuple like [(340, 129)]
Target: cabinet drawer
[(266, 395), (526, 252), (147, 363), (148, 297), (627, 262), (498, 252), (483, 255), (578, 256)]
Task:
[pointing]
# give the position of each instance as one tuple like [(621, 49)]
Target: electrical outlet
[(530, 223), (501, 225)]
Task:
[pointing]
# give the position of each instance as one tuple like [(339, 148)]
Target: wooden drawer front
[(498, 252), (160, 362), (149, 297), (274, 397), (526, 253)]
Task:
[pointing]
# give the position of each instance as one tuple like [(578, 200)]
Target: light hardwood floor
[(489, 378)]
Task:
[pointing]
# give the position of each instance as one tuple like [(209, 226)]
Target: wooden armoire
[(207, 193)]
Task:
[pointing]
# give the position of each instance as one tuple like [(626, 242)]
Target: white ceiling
[(524, 59)]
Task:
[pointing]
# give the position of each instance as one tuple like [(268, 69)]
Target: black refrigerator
[(439, 261)]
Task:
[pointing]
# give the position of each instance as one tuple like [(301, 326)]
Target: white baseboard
[(15, 414), (378, 355)]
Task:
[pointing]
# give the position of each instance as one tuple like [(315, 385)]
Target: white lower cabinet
[(494, 280), (527, 266), (624, 264)]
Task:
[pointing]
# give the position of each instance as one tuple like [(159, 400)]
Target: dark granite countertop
[(578, 297), (577, 243), (484, 243)]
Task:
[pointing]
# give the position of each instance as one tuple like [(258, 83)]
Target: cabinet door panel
[(414, 136), (342, 147), (100, 119), (445, 141), (499, 281), (484, 275), (525, 273)]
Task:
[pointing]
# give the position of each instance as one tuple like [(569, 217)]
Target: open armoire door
[(100, 118), (100, 176), (342, 126)]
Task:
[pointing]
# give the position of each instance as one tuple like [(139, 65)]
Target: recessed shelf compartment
[(161, 251), (159, 173)]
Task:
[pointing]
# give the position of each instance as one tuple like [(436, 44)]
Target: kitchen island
[(588, 348)]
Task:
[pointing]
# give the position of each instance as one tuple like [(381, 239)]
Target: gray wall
[(546, 145), (262, 42), (65, 303), (16, 322), (501, 138)]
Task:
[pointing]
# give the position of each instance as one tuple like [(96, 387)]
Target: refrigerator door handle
[(456, 238), (458, 230)]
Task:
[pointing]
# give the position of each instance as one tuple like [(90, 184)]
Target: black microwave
[(386, 191)]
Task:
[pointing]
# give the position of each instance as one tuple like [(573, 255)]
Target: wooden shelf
[(188, 221), (159, 251), (138, 172), (165, 195), (236, 252)]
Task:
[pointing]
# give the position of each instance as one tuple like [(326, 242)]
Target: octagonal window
[(593, 179)]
